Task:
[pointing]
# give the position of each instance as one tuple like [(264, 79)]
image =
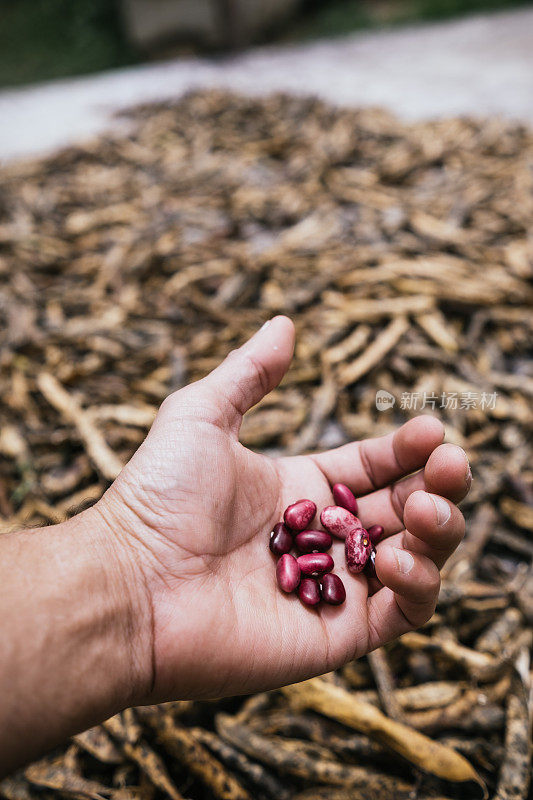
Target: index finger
[(373, 463)]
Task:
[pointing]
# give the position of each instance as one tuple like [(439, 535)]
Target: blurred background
[(45, 39), (366, 168)]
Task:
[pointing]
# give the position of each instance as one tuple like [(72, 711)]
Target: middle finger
[(434, 527), (446, 473)]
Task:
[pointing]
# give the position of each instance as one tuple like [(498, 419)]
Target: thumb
[(251, 372)]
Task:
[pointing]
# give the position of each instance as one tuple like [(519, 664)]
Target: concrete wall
[(212, 22)]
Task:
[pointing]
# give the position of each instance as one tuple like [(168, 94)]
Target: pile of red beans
[(310, 573)]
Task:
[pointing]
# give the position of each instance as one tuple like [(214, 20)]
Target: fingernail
[(468, 478), (404, 560), (442, 508), (265, 325), (468, 473)]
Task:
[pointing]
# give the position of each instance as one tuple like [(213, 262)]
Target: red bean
[(345, 498), (298, 515), (287, 573), (375, 532), (309, 592), (311, 541), (332, 589), (281, 541), (315, 563), (357, 548), (370, 566), (339, 522)]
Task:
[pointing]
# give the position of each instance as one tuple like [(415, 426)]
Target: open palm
[(194, 509)]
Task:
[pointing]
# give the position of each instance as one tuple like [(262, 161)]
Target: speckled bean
[(339, 522), (357, 548), (299, 515)]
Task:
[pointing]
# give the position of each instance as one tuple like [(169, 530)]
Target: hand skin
[(165, 589)]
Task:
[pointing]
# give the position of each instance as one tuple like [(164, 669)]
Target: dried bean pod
[(280, 540), (311, 541), (299, 515), (357, 548), (345, 498), (339, 522), (287, 573), (315, 563), (376, 533), (332, 589), (309, 592)]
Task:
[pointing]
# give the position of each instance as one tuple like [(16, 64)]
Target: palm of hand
[(203, 507), (212, 576)]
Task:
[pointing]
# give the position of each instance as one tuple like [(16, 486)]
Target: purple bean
[(298, 515), (370, 566), (311, 541), (339, 522), (357, 548), (375, 532), (345, 498), (315, 563), (309, 592), (332, 589), (287, 573), (281, 541)]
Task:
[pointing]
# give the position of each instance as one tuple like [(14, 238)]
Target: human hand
[(191, 514)]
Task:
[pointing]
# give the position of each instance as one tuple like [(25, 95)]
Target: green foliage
[(437, 9), (44, 39), (335, 17)]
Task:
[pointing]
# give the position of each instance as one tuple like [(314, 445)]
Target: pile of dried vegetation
[(130, 266)]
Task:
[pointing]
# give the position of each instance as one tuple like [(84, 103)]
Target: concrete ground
[(478, 65)]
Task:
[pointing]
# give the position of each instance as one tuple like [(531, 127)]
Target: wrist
[(76, 651), (127, 619)]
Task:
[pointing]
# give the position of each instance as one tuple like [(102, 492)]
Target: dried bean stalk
[(383, 677), (256, 773), (182, 745), (290, 756), (514, 777), (143, 755), (415, 747), (385, 786), (99, 744), (53, 774)]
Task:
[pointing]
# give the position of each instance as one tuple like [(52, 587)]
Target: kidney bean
[(310, 541), (345, 498), (281, 541), (287, 573), (339, 522), (375, 532), (332, 589), (370, 566), (357, 548), (309, 592), (315, 563), (298, 515)]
